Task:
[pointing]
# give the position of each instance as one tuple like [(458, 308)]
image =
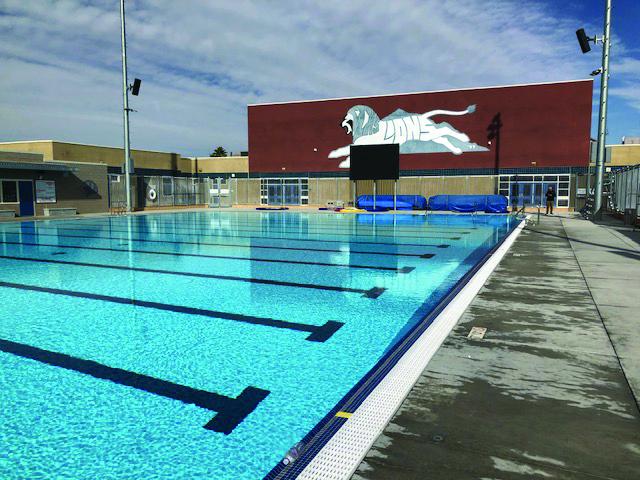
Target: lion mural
[(415, 133)]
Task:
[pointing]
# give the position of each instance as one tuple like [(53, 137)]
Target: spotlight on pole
[(583, 40), (135, 87)]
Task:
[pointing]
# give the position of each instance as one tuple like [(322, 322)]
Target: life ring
[(152, 195)]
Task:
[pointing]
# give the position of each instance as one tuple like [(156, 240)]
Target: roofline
[(622, 145), (25, 141), (419, 93), (216, 158), (85, 145), (76, 163)]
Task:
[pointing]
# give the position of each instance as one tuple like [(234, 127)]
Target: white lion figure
[(415, 133)]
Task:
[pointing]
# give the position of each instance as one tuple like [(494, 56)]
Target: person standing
[(551, 199)]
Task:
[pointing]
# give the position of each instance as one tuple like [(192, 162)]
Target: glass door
[(292, 192), (274, 194)]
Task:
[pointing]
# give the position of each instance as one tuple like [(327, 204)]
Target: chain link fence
[(625, 189), (154, 191)]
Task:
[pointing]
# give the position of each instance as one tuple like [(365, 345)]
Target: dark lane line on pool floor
[(251, 237), (138, 229), (405, 269), (236, 245), (437, 228), (373, 292), (230, 411), (318, 333)]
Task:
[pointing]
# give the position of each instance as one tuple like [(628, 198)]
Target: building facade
[(160, 179), (513, 140)]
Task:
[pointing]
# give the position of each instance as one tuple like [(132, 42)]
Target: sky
[(203, 61)]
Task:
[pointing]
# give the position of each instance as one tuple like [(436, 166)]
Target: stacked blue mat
[(385, 202), (469, 203)]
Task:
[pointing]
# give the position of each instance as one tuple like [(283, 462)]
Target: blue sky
[(203, 61)]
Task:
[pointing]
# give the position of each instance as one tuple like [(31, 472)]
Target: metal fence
[(625, 189), (166, 191)]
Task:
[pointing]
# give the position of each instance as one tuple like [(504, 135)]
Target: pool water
[(204, 344)]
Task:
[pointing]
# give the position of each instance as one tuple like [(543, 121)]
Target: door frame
[(33, 196), (18, 180)]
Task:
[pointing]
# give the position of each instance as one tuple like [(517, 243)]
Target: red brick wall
[(548, 124)]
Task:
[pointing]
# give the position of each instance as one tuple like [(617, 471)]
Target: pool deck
[(552, 389)]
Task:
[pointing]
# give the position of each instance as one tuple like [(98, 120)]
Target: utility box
[(630, 215)]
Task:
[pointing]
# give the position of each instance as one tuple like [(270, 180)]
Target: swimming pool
[(205, 344)]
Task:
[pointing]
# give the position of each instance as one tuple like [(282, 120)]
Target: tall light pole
[(604, 102), (584, 40), (125, 100)]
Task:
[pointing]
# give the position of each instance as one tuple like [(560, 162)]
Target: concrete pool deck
[(552, 389)]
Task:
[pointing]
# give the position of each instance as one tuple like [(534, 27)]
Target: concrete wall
[(42, 147), (622, 155), (111, 156), (236, 164), (72, 152), (322, 190)]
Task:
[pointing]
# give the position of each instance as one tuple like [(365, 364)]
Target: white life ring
[(152, 195)]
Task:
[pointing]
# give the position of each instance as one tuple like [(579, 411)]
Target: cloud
[(202, 62)]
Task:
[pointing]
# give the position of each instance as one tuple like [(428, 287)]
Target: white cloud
[(203, 61)]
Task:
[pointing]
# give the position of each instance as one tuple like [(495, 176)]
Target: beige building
[(29, 186), (623, 155)]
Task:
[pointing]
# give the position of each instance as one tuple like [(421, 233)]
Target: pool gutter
[(335, 447)]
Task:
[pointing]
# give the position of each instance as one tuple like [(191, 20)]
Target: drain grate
[(477, 333)]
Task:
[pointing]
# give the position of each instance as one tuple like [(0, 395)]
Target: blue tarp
[(469, 203), (403, 202)]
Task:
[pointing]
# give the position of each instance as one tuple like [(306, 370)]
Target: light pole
[(125, 100), (604, 100)]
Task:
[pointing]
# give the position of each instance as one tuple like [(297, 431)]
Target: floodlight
[(583, 40), (135, 86)]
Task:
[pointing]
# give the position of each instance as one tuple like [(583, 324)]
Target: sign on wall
[(413, 132), (45, 191)]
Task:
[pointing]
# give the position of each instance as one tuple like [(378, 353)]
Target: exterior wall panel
[(540, 125)]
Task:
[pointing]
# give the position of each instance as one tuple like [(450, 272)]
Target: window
[(167, 186), (9, 191)]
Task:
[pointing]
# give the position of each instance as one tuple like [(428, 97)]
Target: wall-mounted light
[(135, 86)]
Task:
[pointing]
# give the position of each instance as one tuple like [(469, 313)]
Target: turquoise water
[(224, 301)]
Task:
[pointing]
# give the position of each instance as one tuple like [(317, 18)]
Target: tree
[(219, 152)]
